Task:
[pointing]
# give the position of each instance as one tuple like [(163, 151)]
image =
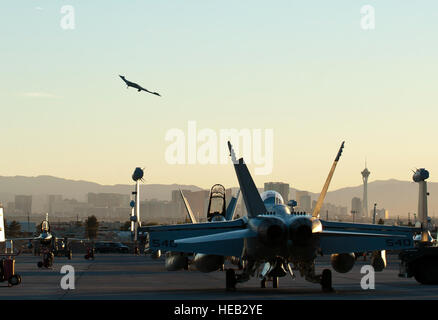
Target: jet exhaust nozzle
[(300, 231), (272, 232)]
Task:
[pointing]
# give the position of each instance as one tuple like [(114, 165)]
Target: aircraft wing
[(2, 231), (18, 239), (341, 237), (74, 239), (219, 238)]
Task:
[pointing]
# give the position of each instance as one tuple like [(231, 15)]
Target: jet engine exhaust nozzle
[(272, 232), (300, 231)]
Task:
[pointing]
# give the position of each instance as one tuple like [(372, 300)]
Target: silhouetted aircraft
[(136, 86), (49, 243)]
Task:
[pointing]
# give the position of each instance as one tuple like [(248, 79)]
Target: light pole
[(374, 214)]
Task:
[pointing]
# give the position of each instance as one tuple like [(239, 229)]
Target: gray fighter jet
[(272, 241), (136, 86)]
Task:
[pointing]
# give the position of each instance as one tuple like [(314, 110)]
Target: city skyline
[(399, 197)]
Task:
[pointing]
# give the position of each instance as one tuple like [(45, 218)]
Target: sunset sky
[(305, 69)]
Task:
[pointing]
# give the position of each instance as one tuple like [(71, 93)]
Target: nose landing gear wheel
[(14, 280), (275, 282), (326, 281)]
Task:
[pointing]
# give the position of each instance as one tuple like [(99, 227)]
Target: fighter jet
[(273, 242), (49, 243), (136, 86), (216, 212)]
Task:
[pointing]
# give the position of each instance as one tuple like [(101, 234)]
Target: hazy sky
[(305, 69)]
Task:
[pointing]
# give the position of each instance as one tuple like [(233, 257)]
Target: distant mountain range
[(39, 187), (399, 197)]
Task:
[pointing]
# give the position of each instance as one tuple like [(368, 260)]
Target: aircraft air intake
[(300, 231), (272, 232)]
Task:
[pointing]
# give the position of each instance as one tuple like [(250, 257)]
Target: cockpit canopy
[(271, 198)]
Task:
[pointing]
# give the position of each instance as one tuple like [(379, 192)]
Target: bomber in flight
[(136, 86)]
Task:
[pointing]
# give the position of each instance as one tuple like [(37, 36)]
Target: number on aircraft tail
[(399, 243)]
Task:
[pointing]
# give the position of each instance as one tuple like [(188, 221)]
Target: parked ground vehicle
[(110, 247), (7, 271), (421, 263)]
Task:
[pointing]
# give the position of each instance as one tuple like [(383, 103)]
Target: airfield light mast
[(365, 174), (137, 176), (374, 213), (420, 177)]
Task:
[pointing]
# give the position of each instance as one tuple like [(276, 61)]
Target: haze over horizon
[(399, 197), (207, 187)]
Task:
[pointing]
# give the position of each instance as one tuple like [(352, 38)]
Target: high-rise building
[(365, 174), (280, 187), (356, 207), (298, 195), (108, 200), (305, 203), (23, 204), (51, 200)]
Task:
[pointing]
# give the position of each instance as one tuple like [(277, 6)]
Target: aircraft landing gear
[(326, 281), (230, 280), (14, 280), (47, 261), (275, 282)]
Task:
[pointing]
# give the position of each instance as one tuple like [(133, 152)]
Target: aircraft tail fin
[(2, 226), (188, 208), (251, 196), (327, 183), (231, 209)]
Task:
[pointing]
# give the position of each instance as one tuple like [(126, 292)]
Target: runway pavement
[(124, 276)]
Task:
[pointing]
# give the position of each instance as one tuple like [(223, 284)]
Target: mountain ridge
[(397, 196)]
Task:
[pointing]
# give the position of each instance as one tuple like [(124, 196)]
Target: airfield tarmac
[(125, 276)]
